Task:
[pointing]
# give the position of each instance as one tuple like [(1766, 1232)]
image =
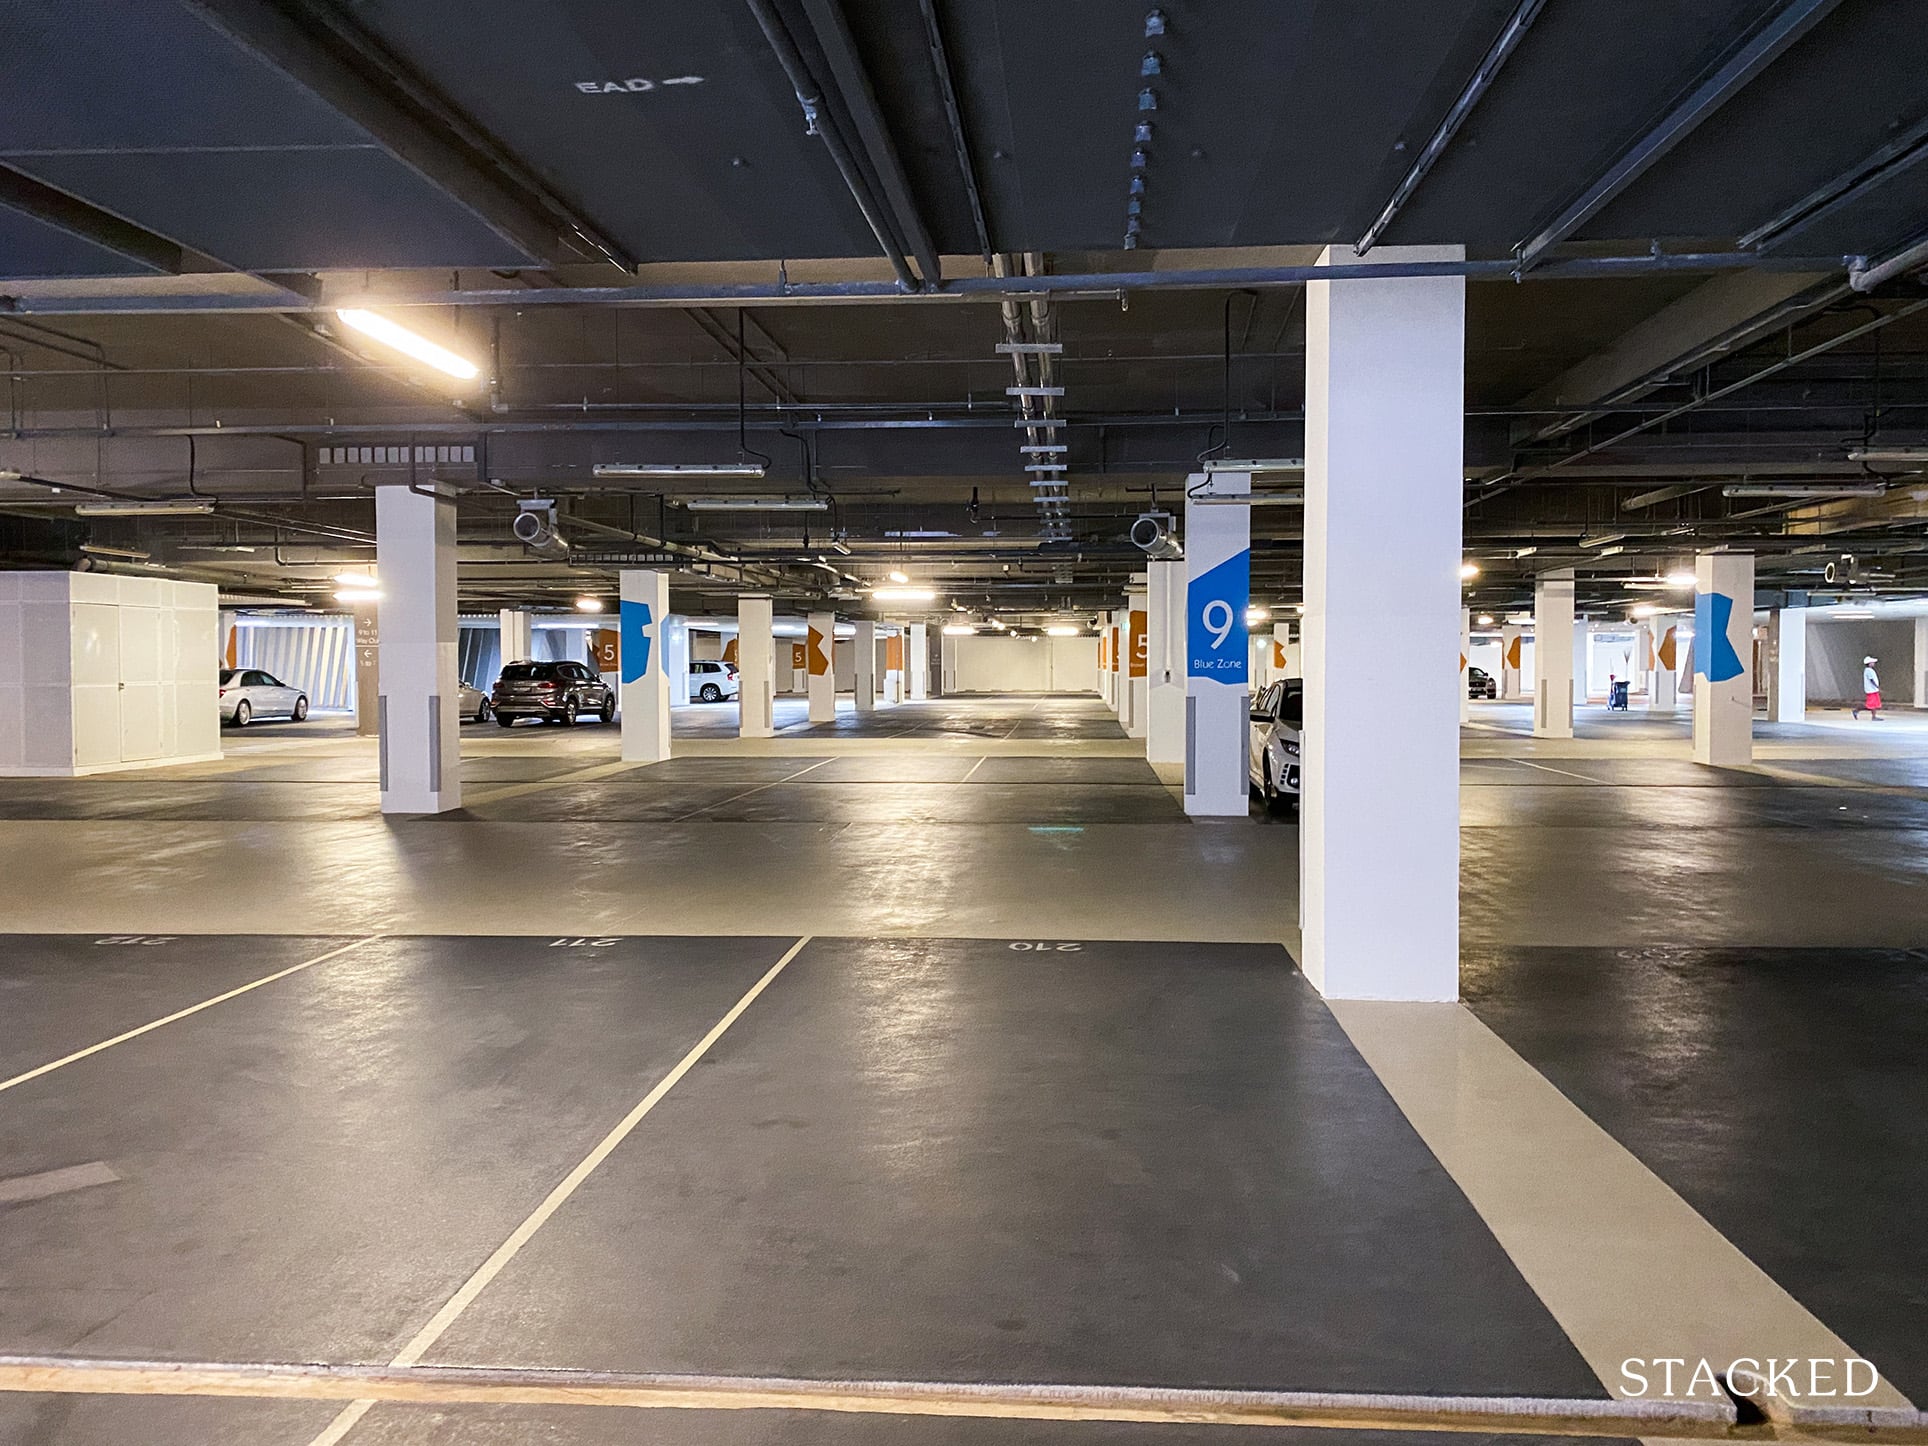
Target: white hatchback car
[(249, 693), (1278, 722), (713, 682)]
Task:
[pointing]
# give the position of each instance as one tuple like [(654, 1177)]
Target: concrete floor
[(920, 1138)]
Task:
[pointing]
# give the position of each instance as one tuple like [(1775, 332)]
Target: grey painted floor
[(923, 1151)]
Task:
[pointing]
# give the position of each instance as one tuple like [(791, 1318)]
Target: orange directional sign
[(1140, 622), (819, 655), (1513, 653), (1669, 650)]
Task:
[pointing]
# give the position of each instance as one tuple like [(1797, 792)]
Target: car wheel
[(242, 713), (711, 693), (482, 711), (301, 710), (608, 713), (568, 718), (507, 720)]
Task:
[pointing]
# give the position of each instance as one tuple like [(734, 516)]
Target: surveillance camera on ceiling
[(1152, 535), (535, 528)]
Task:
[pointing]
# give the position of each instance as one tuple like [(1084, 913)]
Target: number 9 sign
[(1215, 603)]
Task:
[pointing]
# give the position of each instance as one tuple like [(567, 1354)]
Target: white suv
[(713, 682), (1278, 717)]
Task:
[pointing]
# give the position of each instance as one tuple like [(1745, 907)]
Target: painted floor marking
[(721, 803), (1561, 771), (974, 768), (516, 790), (138, 1031), (1623, 1264), (425, 1339), (22, 1188)]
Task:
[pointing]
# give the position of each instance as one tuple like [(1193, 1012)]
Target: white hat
[(1867, 660)]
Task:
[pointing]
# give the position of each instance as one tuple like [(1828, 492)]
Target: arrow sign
[(634, 635)]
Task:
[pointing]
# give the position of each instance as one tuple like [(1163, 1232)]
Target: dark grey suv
[(554, 692)]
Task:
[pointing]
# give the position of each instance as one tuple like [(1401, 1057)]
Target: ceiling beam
[(22, 193), (1768, 42), (1716, 318), (713, 326), (350, 73)]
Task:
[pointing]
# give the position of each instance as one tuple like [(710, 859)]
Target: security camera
[(535, 528), (1152, 534)]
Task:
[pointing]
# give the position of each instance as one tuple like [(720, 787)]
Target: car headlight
[(1292, 750)]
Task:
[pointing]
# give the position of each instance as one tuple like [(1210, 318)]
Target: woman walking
[(1870, 691)]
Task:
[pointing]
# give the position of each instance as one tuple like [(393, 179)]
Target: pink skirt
[(1872, 703)]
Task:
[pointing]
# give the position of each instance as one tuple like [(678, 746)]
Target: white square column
[(420, 716), (1165, 662), (894, 663), (1465, 661), (518, 636), (1554, 647), (756, 667), (1384, 449), (820, 655), (1218, 653), (643, 623), (676, 656), (863, 649), (1663, 686), (917, 661), (1512, 647), (1137, 663), (1787, 665), (1921, 662), (1724, 659)]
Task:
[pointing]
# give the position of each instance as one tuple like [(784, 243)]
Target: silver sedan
[(249, 693)]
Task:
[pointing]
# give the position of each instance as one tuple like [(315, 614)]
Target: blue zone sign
[(1215, 603), (634, 635), (1714, 655)]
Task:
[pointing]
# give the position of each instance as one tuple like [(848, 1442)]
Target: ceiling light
[(1602, 539), (1045, 448), (392, 333), (212, 547), (354, 579), (1062, 630), (1681, 579), (959, 630), (1805, 489), (1485, 620), (1468, 571), (756, 504), (1256, 465), (143, 509), (1888, 454), (1613, 551), (358, 595), (998, 623), (1646, 610), (896, 576), (677, 469), (1850, 612), (589, 605), (902, 594), (1256, 615), (97, 549)]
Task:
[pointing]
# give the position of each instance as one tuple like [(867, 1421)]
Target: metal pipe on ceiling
[(819, 121), (1503, 46), (1107, 285), (1768, 42), (954, 120)]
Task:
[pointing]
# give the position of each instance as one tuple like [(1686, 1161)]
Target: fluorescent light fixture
[(896, 576), (959, 630), (131, 554), (143, 509), (1485, 620), (358, 595), (1045, 448), (756, 504), (902, 594), (393, 333), (1047, 467), (589, 605), (1888, 454), (213, 547), (998, 623), (1681, 579), (840, 547), (1646, 610), (1039, 422), (1805, 489), (1468, 571), (1062, 630), (1256, 465), (354, 579), (1850, 612), (1603, 539), (1256, 615), (677, 469), (1612, 551)]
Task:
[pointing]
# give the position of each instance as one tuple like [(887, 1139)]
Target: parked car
[(1480, 684), (714, 682), (472, 703), (249, 693), (554, 692), (1278, 720)]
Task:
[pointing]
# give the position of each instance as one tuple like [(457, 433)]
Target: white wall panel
[(1023, 665)]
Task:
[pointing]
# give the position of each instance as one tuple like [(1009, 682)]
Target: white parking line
[(789, 778), (424, 1339), (22, 1188), (1561, 771), (135, 1033)]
